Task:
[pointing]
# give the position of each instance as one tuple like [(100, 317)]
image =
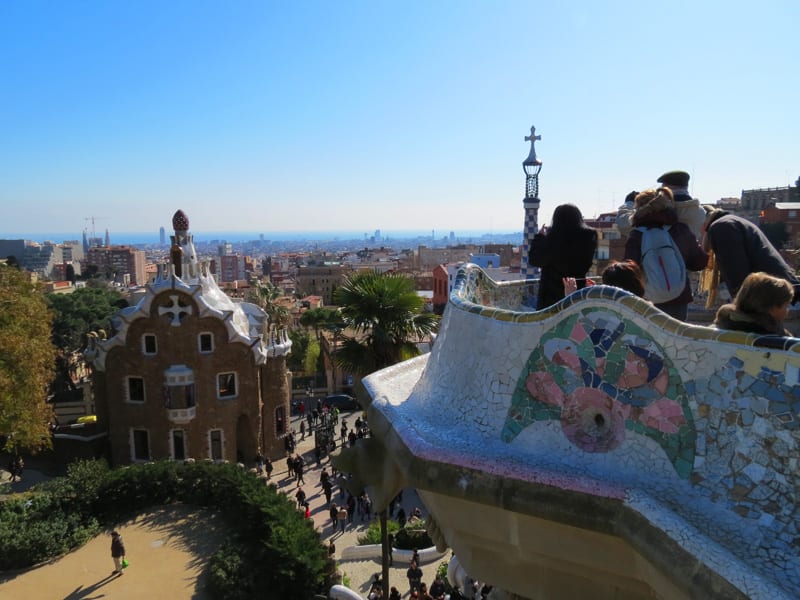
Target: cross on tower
[(176, 310), (532, 138)]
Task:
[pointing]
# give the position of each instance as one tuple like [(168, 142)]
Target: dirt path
[(168, 549)]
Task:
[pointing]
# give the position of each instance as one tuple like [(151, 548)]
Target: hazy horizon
[(136, 238)]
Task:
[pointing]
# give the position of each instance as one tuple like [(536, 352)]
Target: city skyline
[(324, 118)]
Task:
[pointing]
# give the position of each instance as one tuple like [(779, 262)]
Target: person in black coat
[(565, 250), (741, 248), (656, 208)]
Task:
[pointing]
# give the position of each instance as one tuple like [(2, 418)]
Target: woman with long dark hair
[(566, 249)]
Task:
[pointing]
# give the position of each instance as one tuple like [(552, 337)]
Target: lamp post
[(532, 166)]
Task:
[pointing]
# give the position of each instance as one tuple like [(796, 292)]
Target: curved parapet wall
[(596, 445)]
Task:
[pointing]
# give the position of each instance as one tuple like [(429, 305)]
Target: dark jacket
[(657, 213), (741, 248), (117, 547), (729, 317), (561, 253)]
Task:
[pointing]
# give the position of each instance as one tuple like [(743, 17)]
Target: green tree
[(386, 317), (86, 309), (385, 314), (27, 358)]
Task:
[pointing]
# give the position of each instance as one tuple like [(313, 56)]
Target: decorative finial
[(180, 222), (532, 138)]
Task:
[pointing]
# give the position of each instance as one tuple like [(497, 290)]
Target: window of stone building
[(149, 343), (226, 385), (215, 444), (135, 389), (206, 342), (140, 441), (178, 444), (280, 421)]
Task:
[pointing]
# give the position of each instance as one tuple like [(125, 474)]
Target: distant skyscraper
[(531, 166), (108, 239), (162, 236), (85, 242), (452, 237), (377, 235)]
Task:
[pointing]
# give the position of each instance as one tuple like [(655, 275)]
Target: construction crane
[(93, 219)]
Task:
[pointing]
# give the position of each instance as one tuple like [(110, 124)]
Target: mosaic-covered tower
[(531, 166)]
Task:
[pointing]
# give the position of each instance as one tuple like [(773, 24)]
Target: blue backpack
[(663, 265)]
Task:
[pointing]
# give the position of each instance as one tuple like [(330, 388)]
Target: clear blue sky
[(286, 116)]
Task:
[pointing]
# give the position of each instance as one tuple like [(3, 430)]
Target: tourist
[(268, 467), (394, 594), (655, 208), (437, 588), (414, 575), (567, 249), (626, 275), (689, 210), (333, 512), (302, 430), (344, 517), (741, 248), (401, 517), (117, 552), (761, 306), (625, 212), (300, 496), (331, 548)]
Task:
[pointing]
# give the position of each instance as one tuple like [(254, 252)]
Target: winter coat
[(657, 213), (561, 254), (729, 317), (688, 209), (741, 248)]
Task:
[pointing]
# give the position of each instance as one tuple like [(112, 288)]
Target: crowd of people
[(727, 248)]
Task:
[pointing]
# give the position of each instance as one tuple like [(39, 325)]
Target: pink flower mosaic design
[(604, 379)]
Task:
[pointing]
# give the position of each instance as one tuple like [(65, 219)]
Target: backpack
[(663, 265)]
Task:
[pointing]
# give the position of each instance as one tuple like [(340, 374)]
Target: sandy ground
[(169, 548)]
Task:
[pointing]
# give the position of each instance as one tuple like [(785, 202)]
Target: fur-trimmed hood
[(729, 317), (660, 210)]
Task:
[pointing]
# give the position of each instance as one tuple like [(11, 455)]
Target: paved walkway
[(359, 572)]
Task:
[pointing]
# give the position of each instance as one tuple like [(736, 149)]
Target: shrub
[(373, 533), (271, 546), (409, 539)]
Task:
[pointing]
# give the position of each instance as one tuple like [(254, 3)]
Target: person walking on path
[(414, 575), (302, 430), (268, 467), (343, 517), (117, 552)]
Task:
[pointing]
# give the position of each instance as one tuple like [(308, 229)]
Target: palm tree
[(266, 296), (386, 318)]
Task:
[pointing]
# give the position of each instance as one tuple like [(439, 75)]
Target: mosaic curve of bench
[(724, 407)]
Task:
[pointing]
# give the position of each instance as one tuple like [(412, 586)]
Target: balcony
[(182, 415)]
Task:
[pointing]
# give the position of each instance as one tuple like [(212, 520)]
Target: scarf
[(709, 280)]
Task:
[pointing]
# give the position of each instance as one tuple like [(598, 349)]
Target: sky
[(325, 116)]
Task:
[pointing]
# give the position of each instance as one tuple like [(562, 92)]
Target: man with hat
[(689, 209)]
